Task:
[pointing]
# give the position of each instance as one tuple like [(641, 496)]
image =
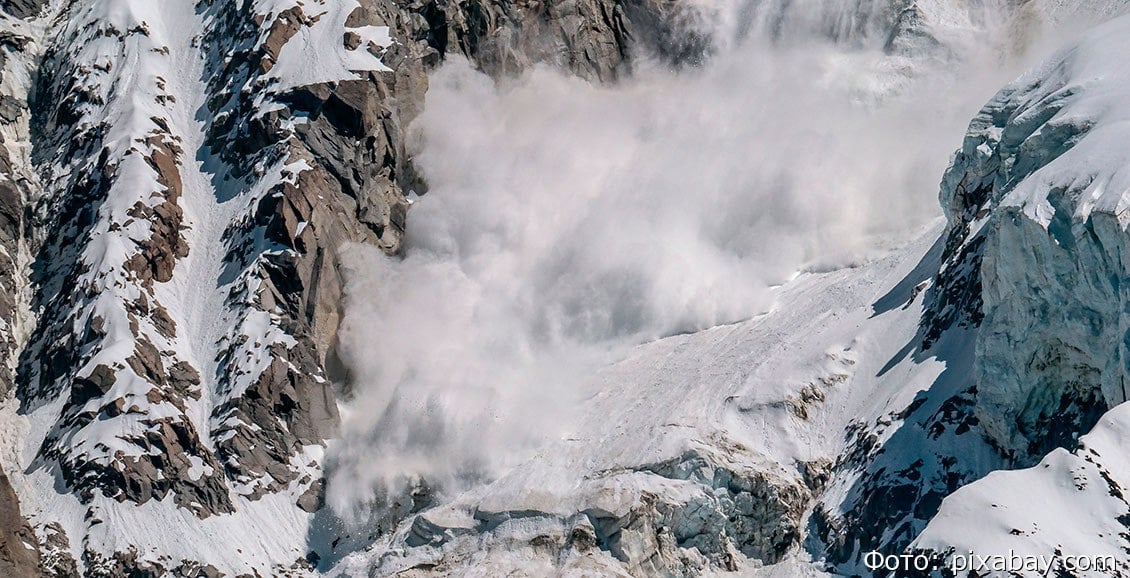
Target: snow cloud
[(567, 221)]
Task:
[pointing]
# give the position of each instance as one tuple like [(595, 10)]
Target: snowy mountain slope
[(196, 167), (700, 451), (175, 190), (664, 481)]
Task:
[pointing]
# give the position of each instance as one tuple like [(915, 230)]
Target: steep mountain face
[(176, 192), (838, 423), (1027, 306), (19, 555), (1040, 189), (1036, 202), (178, 180)]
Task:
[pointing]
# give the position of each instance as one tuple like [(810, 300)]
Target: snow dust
[(566, 222)]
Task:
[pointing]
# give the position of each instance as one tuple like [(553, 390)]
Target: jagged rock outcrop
[(194, 171), (19, 549), (592, 38)]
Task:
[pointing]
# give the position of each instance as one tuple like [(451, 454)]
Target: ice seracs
[(1043, 179)]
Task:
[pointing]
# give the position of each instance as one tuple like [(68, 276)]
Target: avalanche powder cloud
[(566, 222)]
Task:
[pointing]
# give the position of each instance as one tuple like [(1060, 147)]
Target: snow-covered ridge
[(106, 366), (202, 164), (157, 374)]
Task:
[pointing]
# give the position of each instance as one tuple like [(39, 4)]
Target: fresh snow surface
[(316, 53)]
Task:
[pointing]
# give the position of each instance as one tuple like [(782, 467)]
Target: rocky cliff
[(178, 181)]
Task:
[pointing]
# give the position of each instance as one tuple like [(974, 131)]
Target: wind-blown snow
[(566, 221)]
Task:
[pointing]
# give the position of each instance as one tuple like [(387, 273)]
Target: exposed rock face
[(19, 550), (592, 38), (194, 172)]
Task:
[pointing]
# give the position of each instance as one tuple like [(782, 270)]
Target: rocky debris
[(19, 550), (313, 498), (56, 560)]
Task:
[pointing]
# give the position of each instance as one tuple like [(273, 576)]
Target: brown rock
[(19, 551)]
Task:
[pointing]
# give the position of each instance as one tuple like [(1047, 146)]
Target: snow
[(123, 44), (727, 392), (1078, 95), (1071, 503), (1056, 276), (316, 54), (129, 55)]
